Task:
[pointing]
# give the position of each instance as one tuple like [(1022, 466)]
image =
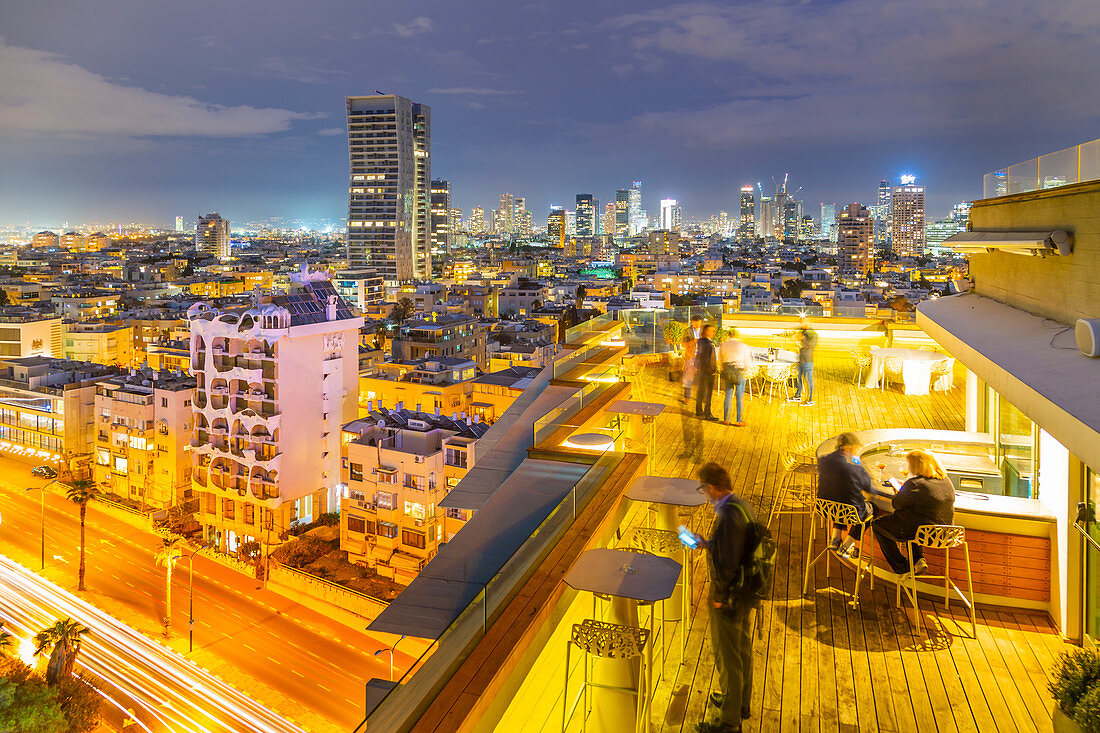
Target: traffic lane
[(133, 574)]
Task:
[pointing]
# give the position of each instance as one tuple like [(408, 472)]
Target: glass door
[(1092, 560)]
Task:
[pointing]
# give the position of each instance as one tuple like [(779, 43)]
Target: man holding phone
[(730, 610)]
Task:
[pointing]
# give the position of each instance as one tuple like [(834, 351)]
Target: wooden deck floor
[(819, 664)]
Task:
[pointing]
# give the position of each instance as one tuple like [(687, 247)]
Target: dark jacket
[(840, 480), (705, 357), (809, 343), (923, 500), (726, 548)]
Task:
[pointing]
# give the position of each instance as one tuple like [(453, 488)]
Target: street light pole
[(191, 598), (390, 649), (42, 494)]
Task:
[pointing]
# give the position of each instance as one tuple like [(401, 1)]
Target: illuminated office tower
[(907, 218), (441, 232), (587, 211), (555, 227), (881, 212), (477, 221), (521, 217), (637, 216), (609, 214), (855, 241), (671, 215), (622, 214), (747, 226), (212, 235), (179, 224), (504, 217), (792, 219), (766, 217), (389, 199), (828, 222)]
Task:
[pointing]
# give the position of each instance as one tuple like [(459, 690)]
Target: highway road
[(308, 659)]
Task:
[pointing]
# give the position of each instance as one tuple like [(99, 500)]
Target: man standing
[(730, 610), (690, 341), (706, 364), (734, 358), (806, 362)]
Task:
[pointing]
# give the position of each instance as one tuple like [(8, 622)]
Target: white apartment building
[(389, 193), (212, 236), (398, 465), (143, 435), (275, 383)]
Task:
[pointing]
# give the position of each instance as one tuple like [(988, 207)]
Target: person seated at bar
[(927, 497), (841, 478)]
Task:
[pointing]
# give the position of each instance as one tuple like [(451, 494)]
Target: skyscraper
[(881, 212), (828, 221), (521, 217), (747, 226), (609, 214), (555, 227), (855, 241), (907, 218), (671, 215), (212, 235), (441, 232), (179, 223), (622, 215), (477, 221), (792, 219), (637, 216), (587, 211), (504, 217), (389, 148)]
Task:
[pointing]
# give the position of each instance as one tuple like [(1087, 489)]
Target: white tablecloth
[(916, 369)]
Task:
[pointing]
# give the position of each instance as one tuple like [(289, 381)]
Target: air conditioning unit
[(418, 459), (1088, 336)]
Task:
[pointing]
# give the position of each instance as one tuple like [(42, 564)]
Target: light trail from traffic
[(151, 685)]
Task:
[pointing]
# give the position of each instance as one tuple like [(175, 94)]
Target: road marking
[(246, 646), (297, 673)]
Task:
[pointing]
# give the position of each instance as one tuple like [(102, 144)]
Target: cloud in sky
[(331, 131), (474, 91), (41, 93), (414, 27), (297, 69)]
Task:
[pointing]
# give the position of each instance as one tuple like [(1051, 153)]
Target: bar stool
[(793, 496), (940, 537), (663, 542), (833, 512), (610, 641)]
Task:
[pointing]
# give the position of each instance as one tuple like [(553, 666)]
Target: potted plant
[(673, 334), (1076, 692)]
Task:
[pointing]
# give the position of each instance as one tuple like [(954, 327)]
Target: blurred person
[(926, 497), (706, 365), (841, 478), (808, 342), (689, 342), (734, 357)]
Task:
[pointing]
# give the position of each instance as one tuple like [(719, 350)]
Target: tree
[(674, 333), (27, 703), (4, 298), (80, 704), (582, 291), (63, 640), (80, 493), (167, 557), (402, 309), (901, 304), (792, 288), (6, 642)]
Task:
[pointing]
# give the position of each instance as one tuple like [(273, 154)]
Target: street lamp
[(390, 650), (191, 596)]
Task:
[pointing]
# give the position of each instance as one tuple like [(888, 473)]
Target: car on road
[(44, 472)]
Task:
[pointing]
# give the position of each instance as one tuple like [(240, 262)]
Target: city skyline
[(154, 126)]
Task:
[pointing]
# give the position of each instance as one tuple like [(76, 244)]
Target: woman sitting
[(927, 497)]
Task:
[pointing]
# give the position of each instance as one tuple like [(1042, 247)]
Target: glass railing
[(1061, 168), (589, 329), (559, 417), (421, 682)]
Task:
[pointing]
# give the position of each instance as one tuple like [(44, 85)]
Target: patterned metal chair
[(752, 373), (833, 512), (944, 537), (942, 372), (795, 496), (777, 373), (861, 360), (890, 365), (609, 641)]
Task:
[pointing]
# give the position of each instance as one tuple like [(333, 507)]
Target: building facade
[(274, 383), (855, 241), (746, 226), (442, 235), (212, 236), (907, 220), (389, 149), (588, 212)]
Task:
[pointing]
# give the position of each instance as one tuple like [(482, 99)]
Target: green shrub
[(302, 551), (1077, 679)]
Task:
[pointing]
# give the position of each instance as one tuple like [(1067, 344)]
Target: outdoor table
[(640, 415), (627, 577), (590, 441), (916, 368), (760, 357), (668, 494)]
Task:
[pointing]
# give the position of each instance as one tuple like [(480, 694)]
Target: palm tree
[(63, 640), (6, 642), (167, 557), (80, 493)]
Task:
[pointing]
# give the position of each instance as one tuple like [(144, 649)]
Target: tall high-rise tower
[(179, 224), (212, 235), (907, 218), (555, 227), (747, 223), (587, 210), (671, 214), (828, 221), (390, 152), (881, 212), (855, 241), (442, 234), (637, 218), (622, 215)]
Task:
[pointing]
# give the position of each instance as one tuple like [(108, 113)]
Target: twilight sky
[(137, 110)]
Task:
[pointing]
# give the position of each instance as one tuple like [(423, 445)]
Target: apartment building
[(84, 304), (362, 288), (46, 408), (522, 296), (456, 336), (397, 466), (274, 384), (441, 384), (29, 333), (143, 431), (102, 343)]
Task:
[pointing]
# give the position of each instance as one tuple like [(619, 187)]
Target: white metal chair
[(794, 495), (940, 537), (942, 369), (778, 374), (861, 360), (833, 512), (610, 641), (890, 365), (751, 372)]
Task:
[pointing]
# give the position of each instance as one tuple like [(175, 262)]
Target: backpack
[(757, 563)]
